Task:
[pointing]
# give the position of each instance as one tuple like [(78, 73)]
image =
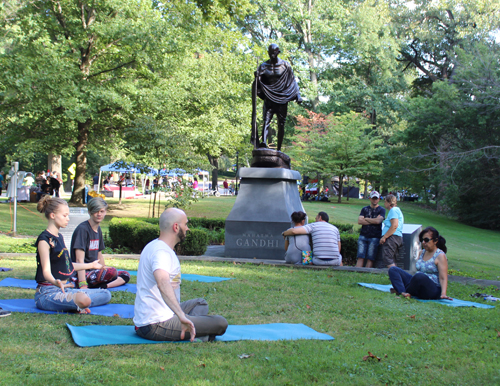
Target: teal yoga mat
[(31, 284), (88, 336), (28, 305), (192, 277), (450, 303)]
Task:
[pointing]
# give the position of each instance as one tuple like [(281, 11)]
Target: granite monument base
[(408, 255), (266, 199)]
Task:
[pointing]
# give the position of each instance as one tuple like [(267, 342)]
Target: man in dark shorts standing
[(370, 219), (87, 244)]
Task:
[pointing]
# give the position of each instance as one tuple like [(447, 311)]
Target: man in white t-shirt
[(325, 239), (159, 314)]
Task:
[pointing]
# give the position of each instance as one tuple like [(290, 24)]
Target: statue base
[(265, 202), (269, 158)]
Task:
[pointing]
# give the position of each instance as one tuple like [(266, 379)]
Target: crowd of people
[(319, 243), (77, 279)]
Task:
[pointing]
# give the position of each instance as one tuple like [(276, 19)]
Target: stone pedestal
[(265, 201), (409, 254)]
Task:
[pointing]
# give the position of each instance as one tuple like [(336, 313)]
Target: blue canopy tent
[(118, 167)]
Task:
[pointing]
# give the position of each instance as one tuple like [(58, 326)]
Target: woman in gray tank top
[(294, 245)]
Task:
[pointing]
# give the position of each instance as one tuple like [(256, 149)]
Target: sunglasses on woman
[(426, 240)]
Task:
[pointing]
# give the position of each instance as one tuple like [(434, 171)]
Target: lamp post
[(237, 167)]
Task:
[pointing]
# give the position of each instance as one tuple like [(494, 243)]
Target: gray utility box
[(76, 217), (408, 255), (265, 201)]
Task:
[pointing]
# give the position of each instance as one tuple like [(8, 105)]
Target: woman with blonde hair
[(54, 269), (392, 233)]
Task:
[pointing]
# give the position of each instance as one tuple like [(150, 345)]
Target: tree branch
[(111, 69)]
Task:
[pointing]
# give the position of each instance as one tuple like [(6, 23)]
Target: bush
[(132, 233), (197, 222), (344, 228), (136, 234), (195, 243), (349, 244), (121, 231), (27, 247)]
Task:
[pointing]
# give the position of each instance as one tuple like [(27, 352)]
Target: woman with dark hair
[(431, 279), (294, 245)]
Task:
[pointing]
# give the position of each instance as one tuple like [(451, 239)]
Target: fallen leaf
[(232, 273), (245, 356), (58, 342), (411, 316), (498, 333), (308, 306), (202, 365), (370, 355), (385, 356), (330, 276), (162, 368)]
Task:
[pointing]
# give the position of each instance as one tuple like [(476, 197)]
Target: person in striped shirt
[(325, 239)]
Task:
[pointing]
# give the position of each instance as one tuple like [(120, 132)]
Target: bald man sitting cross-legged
[(159, 314)]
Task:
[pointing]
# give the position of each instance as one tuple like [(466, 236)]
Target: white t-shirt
[(149, 305)]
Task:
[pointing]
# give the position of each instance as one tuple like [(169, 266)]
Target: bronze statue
[(275, 84)]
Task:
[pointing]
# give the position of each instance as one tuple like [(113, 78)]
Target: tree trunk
[(214, 161), (365, 192), (348, 188), (81, 162), (55, 165), (341, 185)]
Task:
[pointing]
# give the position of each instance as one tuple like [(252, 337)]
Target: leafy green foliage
[(195, 243), (27, 247)]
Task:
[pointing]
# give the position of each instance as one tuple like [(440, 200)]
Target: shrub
[(197, 222), (344, 228), (121, 231), (195, 243), (349, 244), (27, 247), (135, 234)]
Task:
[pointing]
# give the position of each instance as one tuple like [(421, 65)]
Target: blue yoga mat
[(28, 305), (193, 277), (87, 336), (451, 303), (31, 284)]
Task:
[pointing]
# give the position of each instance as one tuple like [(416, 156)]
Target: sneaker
[(4, 313)]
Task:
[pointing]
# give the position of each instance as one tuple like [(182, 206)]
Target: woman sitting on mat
[(294, 245), (54, 269), (431, 279)]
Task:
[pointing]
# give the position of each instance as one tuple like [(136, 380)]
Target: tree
[(455, 136), (76, 73), (342, 145)]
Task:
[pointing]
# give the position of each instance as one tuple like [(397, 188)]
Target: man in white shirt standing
[(159, 314)]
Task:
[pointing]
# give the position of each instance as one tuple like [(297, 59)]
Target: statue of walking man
[(275, 84)]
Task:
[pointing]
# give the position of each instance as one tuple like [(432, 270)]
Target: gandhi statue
[(275, 84)]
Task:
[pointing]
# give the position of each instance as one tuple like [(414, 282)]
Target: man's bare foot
[(406, 295)]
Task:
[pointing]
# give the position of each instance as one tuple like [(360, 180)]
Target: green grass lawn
[(471, 250), (419, 344)]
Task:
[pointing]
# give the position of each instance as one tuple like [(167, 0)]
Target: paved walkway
[(216, 253)]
